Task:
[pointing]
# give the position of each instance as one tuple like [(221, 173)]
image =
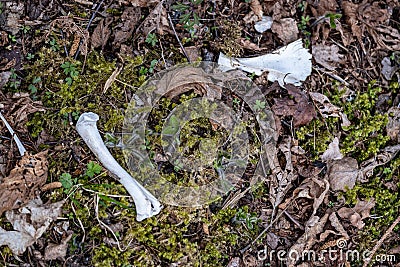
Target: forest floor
[(328, 193)]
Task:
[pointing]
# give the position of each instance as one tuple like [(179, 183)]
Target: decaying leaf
[(297, 105), (327, 56), (101, 33), (327, 109), (256, 8), (57, 251), (13, 13), (23, 182), (282, 176), (17, 108), (384, 156), (358, 213), (286, 29), (29, 224), (123, 30), (155, 21), (143, 3), (4, 77), (333, 151), (342, 173), (314, 226), (393, 126)]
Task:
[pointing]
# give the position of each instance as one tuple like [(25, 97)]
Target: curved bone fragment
[(146, 204)]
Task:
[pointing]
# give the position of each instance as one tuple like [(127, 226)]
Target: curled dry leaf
[(286, 29), (18, 107), (314, 227), (101, 33), (57, 251), (327, 109), (256, 8), (23, 182), (333, 151), (29, 224), (384, 156), (342, 173), (129, 19), (355, 215), (327, 56), (297, 105), (155, 21), (393, 126)]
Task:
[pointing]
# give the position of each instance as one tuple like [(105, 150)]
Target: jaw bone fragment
[(146, 204)]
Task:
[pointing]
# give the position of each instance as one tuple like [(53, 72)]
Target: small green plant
[(14, 83), (92, 169), (248, 219), (53, 45), (30, 56), (32, 87), (25, 29), (153, 64), (188, 18), (67, 181), (303, 23), (12, 38), (259, 105), (70, 70), (1, 8), (151, 39), (302, 6), (332, 17), (178, 165)]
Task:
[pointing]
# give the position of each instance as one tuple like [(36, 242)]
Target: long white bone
[(146, 204)]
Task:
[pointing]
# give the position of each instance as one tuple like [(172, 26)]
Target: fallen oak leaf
[(360, 211), (24, 181), (29, 224)]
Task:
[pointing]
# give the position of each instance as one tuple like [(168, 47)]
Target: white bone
[(146, 204), (20, 146)]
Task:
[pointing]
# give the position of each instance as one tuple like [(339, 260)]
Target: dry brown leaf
[(282, 176), (143, 3), (286, 29), (24, 181), (101, 33), (314, 227), (4, 77), (358, 213), (57, 251), (256, 8), (111, 79), (342, 173), (156, 20), (3, 38), (18, 107), (234, 262), (327, 56), (299, 108), (384, 156), (333, 151), (129, 20), (393, 125), (338, 225), (29, 224)]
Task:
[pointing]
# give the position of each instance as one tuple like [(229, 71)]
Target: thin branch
[(380, 242), (177, 38)]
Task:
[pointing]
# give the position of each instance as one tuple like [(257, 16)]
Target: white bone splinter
[(146, 204)]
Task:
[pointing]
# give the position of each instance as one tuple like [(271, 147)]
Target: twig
[(177, 38), (87, 27), (80, 223), (65, 47), (243, 250), (380, 242)]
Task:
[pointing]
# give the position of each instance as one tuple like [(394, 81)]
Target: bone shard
[(146, 204)]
